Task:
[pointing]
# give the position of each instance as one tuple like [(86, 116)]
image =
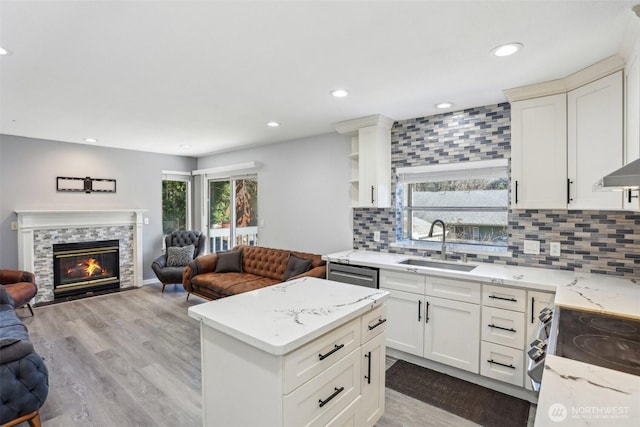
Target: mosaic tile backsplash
[(592, 241)]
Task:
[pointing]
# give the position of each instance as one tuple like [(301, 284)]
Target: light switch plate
[(532, 247), (554, 248), (376, 236), (14, 225)]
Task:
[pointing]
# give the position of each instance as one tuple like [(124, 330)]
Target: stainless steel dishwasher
[(353, 274)]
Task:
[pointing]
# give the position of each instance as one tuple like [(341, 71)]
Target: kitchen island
[(304, 352)]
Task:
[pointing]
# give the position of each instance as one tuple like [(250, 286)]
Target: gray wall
[(303, 192), (28, 171)]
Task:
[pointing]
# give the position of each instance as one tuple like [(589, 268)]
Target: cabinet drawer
[(373, 323), (311, 359), (503, 327), (334, 389), (406, 282), (348, 417), (458, 290), (502, 363), (501, 297)]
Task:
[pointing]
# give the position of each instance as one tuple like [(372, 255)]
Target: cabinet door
[(539, 153), (594, 141), (374, 145), (405, 321), (632, 118), (452, 333), (372, 380), (536, 301)]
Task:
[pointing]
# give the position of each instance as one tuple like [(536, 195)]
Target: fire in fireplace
[(85, 267)]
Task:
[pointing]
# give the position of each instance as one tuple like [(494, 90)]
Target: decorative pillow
[(179, 256), (229, 262), (295, 266)]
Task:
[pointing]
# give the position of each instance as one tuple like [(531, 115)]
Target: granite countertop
[(572, 393), (280, 318)]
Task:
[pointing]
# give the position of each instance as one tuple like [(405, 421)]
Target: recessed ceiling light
[(90, 140), (273, 124), (443, 105), (339, 93), (185, 146), (507, 49), (2, 51)]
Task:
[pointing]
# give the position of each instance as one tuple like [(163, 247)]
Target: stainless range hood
[(627, 177)]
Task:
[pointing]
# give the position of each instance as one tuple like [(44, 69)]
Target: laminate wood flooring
[(133, 359)]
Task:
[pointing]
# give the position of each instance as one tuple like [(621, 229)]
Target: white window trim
[(452, 171)]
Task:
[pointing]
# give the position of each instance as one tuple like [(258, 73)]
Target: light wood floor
[(133, 359)]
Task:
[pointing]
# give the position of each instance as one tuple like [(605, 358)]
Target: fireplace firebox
[(85, 267)]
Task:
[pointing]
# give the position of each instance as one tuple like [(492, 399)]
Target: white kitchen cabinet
[(370, 160), (594, 141), (536, 301), (405, 330), (372, 380), (445, 330), (284, 356), (632, 115), (452, 333), (502, 363), (539, 153)]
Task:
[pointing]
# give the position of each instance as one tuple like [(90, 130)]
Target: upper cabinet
[(632, 106), (594, 141), (565, 135), (539, 153), (370, 160)]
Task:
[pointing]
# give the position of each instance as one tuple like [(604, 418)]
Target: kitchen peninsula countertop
[(572, 393), (280, 318)]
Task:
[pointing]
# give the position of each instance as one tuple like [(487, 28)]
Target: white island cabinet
[(308, 352)]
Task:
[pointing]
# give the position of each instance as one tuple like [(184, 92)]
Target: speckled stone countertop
[(280, 318)]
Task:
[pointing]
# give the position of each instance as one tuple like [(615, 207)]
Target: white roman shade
[(482, 169)]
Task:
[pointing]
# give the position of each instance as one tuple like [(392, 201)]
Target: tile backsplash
[(591, 241)]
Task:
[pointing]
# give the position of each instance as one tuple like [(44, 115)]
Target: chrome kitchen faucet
[(444, 237)]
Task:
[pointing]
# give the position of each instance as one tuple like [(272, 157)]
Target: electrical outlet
[(554, 248), (532, 247), (376, 236), (14, 225)]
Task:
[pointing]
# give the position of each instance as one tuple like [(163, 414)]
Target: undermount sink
[(437, 264)]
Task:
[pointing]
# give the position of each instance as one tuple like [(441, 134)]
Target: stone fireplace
[(43, 235)]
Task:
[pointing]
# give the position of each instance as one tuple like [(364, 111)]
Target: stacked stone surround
[(44, 239), (605, 242)]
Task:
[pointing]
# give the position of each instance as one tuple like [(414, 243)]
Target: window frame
[(408, 177), (179, 176)]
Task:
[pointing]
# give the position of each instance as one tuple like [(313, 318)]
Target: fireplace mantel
[(30, 222)]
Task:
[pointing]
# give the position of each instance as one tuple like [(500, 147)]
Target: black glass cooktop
[(599, 339)]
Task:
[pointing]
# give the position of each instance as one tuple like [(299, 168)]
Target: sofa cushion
[(229, 262), (295, 266), (179, 256), (13, 349), (227, 284)]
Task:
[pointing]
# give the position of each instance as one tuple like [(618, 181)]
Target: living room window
[(472, 198), (233, 212), (176, 201)]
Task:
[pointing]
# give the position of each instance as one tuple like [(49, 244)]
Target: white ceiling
[(154, 75)]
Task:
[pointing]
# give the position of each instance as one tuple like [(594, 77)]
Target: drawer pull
[(501, 364), (380, 322), (368, 376), (491, 325), (336, 347), (503, 299), (328, 399)]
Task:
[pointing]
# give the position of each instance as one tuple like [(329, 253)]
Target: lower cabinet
[(502, 363), (372, 359), (439, 329), (451, 333)]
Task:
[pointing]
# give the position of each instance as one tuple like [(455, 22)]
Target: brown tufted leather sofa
[(261, 267)]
